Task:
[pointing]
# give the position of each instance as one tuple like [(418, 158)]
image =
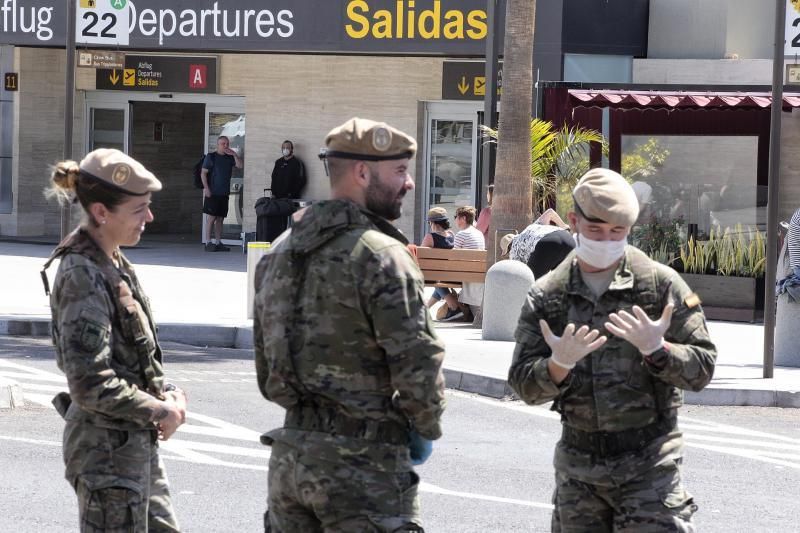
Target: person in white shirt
[(468, 238)]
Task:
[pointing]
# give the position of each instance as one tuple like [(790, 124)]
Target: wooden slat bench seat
[(451, 268)]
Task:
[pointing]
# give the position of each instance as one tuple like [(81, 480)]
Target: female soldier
[(118, 405)]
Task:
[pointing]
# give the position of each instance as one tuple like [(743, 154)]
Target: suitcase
[(272, 216)]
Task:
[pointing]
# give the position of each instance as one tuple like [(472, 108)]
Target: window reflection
[(691, 186)]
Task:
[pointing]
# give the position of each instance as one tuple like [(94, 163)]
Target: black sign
[(12, 81), (425, 27), (161, 74), (466, 80)]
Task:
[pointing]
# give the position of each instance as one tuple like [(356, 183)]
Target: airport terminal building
[(269, 70)]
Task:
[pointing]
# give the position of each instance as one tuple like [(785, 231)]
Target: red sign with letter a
[(197, 76)]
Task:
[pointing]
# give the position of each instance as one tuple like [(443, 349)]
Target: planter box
[(728, 297), (723, 291)]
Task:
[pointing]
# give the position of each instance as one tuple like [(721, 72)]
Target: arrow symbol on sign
[(114, 78), (463, 87)]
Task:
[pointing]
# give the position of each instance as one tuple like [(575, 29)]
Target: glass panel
[(450, 176), (108, 129), (232, 125), (693, 186)]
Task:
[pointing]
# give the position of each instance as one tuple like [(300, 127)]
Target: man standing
[(344, 342), (633, 337), (216, 176), (288, 174)]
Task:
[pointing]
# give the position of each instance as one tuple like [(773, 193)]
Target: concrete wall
[(39, 141), (303, 97), (703, 71), (711, 29)]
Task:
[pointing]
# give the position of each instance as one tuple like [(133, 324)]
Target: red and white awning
[(619, 99)]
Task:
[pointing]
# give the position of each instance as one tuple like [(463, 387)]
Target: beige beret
[(367, 140), (602, 194), (120, 171), (437, 214)]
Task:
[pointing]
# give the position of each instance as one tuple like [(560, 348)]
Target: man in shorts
[(216, 176)]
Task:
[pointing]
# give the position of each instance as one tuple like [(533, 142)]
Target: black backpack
[(198, 169)]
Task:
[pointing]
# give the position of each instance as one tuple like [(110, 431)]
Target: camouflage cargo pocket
[(111, 509)]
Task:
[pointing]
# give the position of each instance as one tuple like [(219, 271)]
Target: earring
[(102, 221)]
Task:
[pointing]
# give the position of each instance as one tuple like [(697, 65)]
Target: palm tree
[(511, 206), (558, 158)]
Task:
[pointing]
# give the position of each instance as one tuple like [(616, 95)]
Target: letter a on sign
[(197, 76)]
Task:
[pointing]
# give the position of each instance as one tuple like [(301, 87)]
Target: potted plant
[(727, 271)]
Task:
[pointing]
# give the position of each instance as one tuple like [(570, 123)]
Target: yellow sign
[(129, 78), (113, 77), (463, 86), (480, 85), (88, 4)]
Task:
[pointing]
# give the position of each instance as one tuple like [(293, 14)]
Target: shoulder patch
[(94, 333)]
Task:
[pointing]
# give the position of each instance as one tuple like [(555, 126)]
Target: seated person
[(524, 243), (439, 237), (468, 238), (542, 245), (485, 218)]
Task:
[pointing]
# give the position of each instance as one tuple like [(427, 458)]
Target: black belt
[(326, 420), (609, 444)]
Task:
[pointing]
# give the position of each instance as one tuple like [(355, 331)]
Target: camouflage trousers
[(655, 502), (309, 495), (119, 479)]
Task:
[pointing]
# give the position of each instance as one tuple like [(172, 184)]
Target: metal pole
[(69, 103), (774, 189), (490, 97)]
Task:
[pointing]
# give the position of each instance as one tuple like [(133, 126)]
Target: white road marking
[(31, 441), (428, 487), (42, 388), (25, 375), (511, 406)]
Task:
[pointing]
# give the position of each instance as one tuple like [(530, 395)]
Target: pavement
[(199, 299)]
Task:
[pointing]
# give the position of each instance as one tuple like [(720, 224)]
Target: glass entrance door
[(230, 123), (450, 156)]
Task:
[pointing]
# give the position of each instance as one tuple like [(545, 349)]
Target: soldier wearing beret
[(612, 338), (344, 342), (118, 404)]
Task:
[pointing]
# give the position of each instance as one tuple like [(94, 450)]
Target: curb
[(493, 387)]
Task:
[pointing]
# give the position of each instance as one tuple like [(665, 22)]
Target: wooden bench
[(451, 268)]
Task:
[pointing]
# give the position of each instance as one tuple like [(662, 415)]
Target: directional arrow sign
[(114, 77), (463, 86), (465, 80)]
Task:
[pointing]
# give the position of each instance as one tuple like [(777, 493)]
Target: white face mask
[(286, 152), (599, 254)]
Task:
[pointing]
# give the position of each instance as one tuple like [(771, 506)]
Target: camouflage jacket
[(340, 320), (110, 356), (614, 388)]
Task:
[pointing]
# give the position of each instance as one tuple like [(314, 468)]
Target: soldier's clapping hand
[(647, 335), (571, 346)]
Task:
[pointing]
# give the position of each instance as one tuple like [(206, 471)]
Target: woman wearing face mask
[(612, 338), (118, 405)]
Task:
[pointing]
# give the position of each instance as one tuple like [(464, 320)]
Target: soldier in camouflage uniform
[(344, 342), (633, 337), (118, 404)]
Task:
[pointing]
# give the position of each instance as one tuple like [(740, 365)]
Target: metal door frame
[(456, 111)]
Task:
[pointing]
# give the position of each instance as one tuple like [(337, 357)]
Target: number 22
[(112, 21), (796, 40)]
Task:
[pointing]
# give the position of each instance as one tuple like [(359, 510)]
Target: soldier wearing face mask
[(289, 174), (613, 338)]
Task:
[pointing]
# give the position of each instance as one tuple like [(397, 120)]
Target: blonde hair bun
[(65, 181)]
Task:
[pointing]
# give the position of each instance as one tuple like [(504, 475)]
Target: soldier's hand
[(647, 335), (178, 397), (571, 346), (171, 421)]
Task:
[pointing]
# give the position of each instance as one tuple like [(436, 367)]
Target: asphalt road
[(491, 472)]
